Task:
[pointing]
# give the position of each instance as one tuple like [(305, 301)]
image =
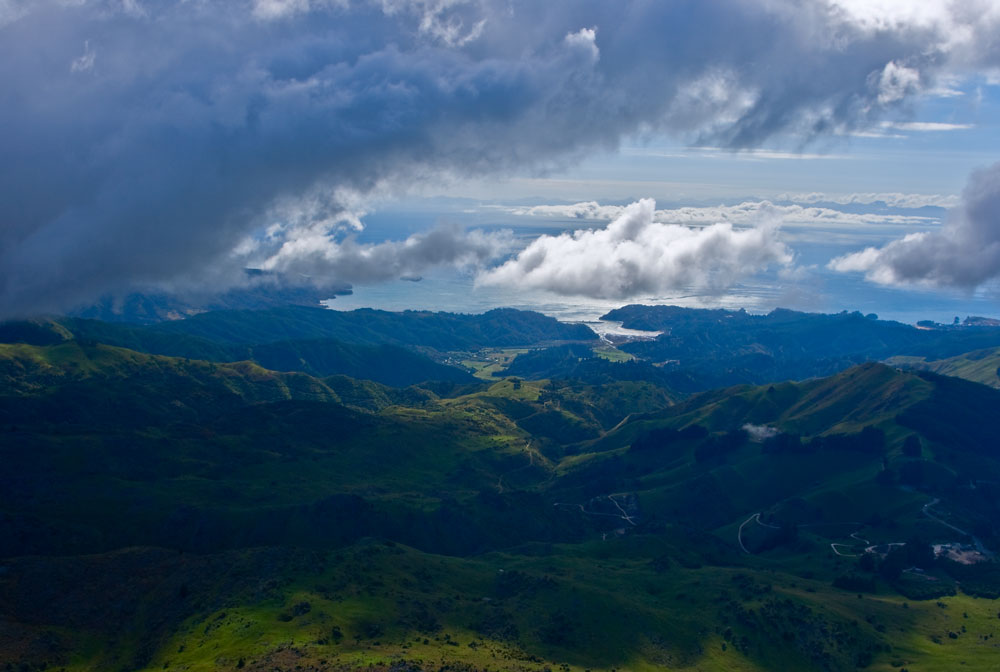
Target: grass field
[(613, 354), (583, 607), (486, 362)]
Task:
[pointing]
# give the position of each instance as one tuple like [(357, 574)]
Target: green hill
[(718, 348), (368, 344), (502, 327), (164, 513), (980, 366), (386, 364), (39, 371)]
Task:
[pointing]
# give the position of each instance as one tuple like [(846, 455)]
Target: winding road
[(975, 540), (623, 515), (739, 533), (868, 546), (531, 462), (627, 518), (926, 510), (844, 555)]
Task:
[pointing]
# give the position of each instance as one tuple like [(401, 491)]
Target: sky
[(825, 155)]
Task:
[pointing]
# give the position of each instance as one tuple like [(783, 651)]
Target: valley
[(558, 509)]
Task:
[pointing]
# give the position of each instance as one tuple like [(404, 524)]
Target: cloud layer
[(893, 200), (963, 254), (316, 254), (143, 142), (635, 255), (746, 213)]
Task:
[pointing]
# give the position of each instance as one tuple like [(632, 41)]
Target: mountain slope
[(375, 345), (721, 347), (386, 364), (835, 451), (159, 513), (979, 366), (502, 327), (36, 370)]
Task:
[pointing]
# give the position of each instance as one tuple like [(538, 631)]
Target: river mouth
[(612, 331)]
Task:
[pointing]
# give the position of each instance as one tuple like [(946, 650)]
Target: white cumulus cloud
[(635, 254), (964, 253)]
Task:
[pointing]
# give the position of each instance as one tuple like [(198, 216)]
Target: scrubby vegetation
[(162, 512)]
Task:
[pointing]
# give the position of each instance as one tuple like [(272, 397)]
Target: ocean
[(814, 288), (454, 290)]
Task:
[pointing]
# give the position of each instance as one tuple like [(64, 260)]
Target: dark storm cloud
[(142, 142), (964, 253)]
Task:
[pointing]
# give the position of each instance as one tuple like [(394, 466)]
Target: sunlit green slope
[(163, 513)]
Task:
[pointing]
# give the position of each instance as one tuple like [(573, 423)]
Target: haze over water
[(816, 289), (455, 291)]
